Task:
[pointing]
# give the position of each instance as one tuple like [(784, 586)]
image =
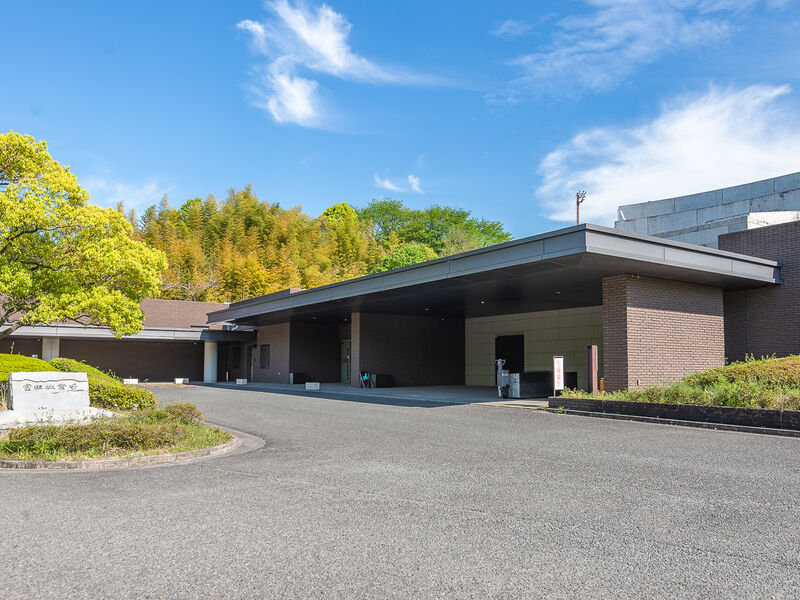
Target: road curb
[(680, 423), (241, 440)]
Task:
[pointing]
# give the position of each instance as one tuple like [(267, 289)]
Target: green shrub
[(10, 363), (105, 390), (767, 383), (120, 397), (185, 412), (100, 437), (767, 371), (70, 365)]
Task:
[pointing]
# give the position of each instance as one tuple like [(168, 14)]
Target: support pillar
[(592, 367), (50, 348), (355, 350), (210, 362)]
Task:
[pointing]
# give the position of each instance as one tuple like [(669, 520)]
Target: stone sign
[(48, 391)]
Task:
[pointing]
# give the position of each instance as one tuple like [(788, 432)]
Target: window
[(237, 357), (264, 356)]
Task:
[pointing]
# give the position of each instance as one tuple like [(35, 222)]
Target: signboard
[(558, 373), (47, 391)]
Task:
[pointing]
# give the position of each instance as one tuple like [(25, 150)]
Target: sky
[(503, 108)]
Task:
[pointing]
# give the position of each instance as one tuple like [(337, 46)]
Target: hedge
[(106, 390), (11, 363), (70, 365), (120, 397), (93, 436), (772, 383)]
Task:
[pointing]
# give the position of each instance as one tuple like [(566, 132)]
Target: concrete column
[(355, 350), (50, 347), (210, 362)]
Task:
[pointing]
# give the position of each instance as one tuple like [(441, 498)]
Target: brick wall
[(657, 331), (277, 336), (765, 321), (615, 332)]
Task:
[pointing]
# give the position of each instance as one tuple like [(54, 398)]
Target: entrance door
[(512, 349), (250, 363), (345, 362)]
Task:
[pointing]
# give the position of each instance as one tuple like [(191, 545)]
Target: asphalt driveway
[(409, 500)]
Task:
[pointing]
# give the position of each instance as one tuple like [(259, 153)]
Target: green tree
[(386, 215), (405, 254), (62, 258)]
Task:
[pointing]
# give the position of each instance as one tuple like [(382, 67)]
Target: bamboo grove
[(243, 247)]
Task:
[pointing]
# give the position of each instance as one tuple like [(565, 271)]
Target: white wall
[(564, 332)]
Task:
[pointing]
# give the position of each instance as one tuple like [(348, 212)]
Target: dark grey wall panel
[(413, 350)]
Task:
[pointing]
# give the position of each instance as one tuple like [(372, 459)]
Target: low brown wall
[(154, 361), (24, 346), (727, 415)]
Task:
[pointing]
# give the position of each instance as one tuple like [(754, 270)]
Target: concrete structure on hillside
[(702, 218)]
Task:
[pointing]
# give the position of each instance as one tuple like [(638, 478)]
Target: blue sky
[(504, 108)]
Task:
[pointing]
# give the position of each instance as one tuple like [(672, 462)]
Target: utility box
[(502, 378), (513, 383)]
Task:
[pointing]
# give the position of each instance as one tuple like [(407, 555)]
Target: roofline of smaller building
[(93, 332)]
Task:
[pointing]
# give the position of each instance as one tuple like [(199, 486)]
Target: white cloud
[(257, 32), (595, 51), (411, 184), (292, 99), (107, 192), (386, 184), (721, 138), (303, 38), (511, 28)]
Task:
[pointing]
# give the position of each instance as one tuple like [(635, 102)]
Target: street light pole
[(579, 198)]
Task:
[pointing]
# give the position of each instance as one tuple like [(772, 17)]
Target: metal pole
[(579, 198)]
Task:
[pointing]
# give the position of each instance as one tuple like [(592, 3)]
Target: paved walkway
[(444, 394), (355, 498)]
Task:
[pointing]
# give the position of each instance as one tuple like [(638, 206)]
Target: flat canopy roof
[(558, 269)]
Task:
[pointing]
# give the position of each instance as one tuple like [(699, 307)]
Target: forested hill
[(243, 247)]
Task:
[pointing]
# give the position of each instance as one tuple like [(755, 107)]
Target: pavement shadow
[(344, 396)]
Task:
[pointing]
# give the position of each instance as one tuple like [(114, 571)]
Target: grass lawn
[(175, 428), (766, 383)]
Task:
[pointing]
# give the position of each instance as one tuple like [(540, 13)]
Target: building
[(176, 341), (657, 308), (702, 218)]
